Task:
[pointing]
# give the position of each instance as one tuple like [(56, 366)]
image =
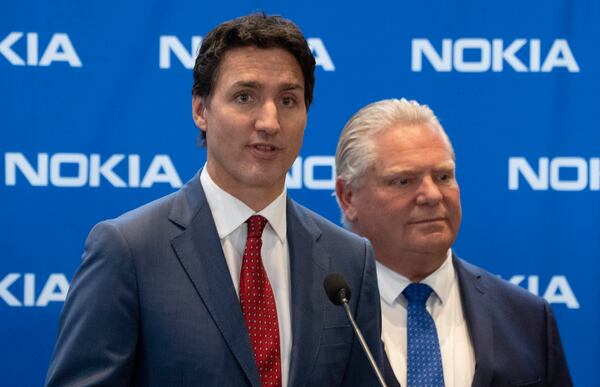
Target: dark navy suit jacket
[(153, 303), (514, 334)]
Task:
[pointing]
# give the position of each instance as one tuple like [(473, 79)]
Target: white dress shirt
[(445, 307), (230, 215)]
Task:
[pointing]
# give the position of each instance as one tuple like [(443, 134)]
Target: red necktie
[(258, 306)]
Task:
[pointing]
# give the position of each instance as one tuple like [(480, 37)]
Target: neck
[(256, 197), (412, 265)]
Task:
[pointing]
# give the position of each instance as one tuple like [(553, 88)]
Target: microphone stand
[(361, 339)]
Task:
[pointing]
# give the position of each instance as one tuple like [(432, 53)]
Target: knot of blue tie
[(417, 293), (424, 365)]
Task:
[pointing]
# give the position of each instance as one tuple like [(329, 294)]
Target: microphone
[(337, 289), (339, 293)]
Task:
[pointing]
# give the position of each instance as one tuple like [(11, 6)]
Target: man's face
[(410, 200), (254, 120)]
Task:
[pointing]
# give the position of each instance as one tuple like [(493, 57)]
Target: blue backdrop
[(95, 119)]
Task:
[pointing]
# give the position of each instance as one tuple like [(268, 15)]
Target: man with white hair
[(445, 321)]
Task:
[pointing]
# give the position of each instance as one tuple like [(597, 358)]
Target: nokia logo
[(558, 173), (21, 290), (170, 44), (79, 170), (477, 55), (59, 49)]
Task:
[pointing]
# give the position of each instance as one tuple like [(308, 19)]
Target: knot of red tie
[(256, 225)]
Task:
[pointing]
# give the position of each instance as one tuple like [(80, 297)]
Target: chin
[(264, 180), (436, 245)]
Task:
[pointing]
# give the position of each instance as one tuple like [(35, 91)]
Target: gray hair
[(355, 151)]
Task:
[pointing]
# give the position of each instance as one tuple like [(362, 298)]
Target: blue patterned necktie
[(424, 359)]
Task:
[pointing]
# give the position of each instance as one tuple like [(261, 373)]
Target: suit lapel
[(308, 266), (198, 248), (476, 305)]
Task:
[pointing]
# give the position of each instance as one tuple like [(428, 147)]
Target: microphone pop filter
[(336, 288)]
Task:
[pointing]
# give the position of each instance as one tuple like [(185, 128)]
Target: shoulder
[(164, 216), (151, 226), (147, 214), (141, 219), (118, 236), (499, 289)]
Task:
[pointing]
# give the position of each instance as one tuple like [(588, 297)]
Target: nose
[(267, 119), (428, 192)]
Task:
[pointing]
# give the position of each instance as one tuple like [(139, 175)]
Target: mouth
[(429, 220), (264, 150)]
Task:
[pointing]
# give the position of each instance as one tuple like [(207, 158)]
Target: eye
[(399, 182), (243, 98), (288, 101), (445, 177)]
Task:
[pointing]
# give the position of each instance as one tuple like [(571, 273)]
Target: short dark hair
[(259, 30)]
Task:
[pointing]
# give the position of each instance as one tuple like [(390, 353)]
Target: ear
[(345, 199), (199, 112)]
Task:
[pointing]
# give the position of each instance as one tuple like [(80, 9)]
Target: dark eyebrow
[(248, 84), (255, 85), (292, 86)]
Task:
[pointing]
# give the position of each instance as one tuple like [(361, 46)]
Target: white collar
[(230, 212), (392, 284)]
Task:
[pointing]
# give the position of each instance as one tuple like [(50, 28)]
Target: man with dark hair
[(221, 283)]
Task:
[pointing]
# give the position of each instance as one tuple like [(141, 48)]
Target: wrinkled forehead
[(412, 134)]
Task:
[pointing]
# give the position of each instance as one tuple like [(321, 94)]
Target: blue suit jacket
[(514, 334), (153, 303)]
